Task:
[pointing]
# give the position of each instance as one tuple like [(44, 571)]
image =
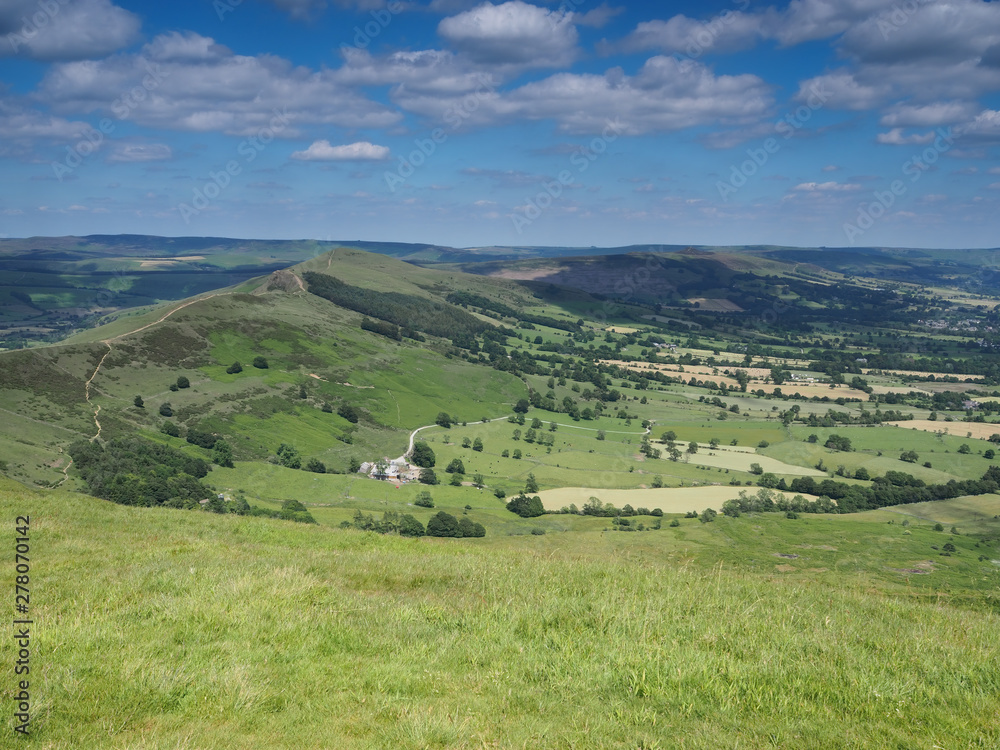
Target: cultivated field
[(979, 430)]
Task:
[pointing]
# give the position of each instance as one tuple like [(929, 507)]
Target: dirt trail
[(107, 343)]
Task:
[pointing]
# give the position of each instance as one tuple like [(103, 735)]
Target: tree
[(536, 423), (466, 443), (862, 473), (424, 499), (316, 466), (222, 454), (517, 453), (601, 435), (427, 476), (260, 363), (138, 402), (456, 466), (812, 439), (964, 448), (657, 482), (989, 454), (442, 524), (522, 406), (478, 480), (289, 457), (443, 420), (756, 468), (910, 457), (526, 507), (166, 410), (410, 526), (234, 368), (456, 480), (477, 445), (668, 437), (183, 382), (531, 484), (692, 447), (350, 413), (353, 465), (423, 456), (169, 428), (469, 528)]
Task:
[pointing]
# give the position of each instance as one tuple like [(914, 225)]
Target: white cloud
[(598, 17), (70, 31), (688, 36), (202, 86), (664, 96), (928, 115), (513, 33), (361, 151), (21, 123), (129, 153), (827, 187), (842, 90), (985, 127), (895, 137)]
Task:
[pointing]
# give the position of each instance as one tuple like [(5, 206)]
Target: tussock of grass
[(163, 628)]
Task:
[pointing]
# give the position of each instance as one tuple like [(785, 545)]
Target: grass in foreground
[(173, 629)]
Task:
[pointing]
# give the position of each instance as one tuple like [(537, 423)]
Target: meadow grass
[(174, 629)]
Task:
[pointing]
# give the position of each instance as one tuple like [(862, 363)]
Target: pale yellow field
[(669, 500), (979, 430), (902, 388), (621, 329), (740, 460)]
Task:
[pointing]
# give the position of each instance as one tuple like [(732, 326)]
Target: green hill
[(160, 628)]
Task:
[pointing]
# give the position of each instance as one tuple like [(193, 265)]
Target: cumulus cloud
[(513, 33), (65, 31), (198, 85), (361, 151), (895, 137), (20, 123), (664, 96), (688, 36), (928, 115), (130, 153), (827, 187)]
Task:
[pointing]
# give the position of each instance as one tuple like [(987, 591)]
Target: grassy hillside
[(176, 629)]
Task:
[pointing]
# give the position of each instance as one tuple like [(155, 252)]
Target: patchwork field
[(975, 430)]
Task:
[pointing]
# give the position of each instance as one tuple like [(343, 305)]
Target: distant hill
[(51, 287)]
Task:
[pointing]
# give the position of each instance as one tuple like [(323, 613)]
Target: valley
[(796, 473)]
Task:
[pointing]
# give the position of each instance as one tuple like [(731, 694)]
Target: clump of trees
[(525, 506), (423, 456), (391, 523)]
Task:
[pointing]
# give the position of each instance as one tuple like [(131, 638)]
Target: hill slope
[(160, 628)]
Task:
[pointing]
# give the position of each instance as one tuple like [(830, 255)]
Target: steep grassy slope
[(166, 629), (317, 357)]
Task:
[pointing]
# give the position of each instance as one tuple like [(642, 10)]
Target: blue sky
[(811, 122)]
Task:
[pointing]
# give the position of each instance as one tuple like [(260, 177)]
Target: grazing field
[(377, 642)]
